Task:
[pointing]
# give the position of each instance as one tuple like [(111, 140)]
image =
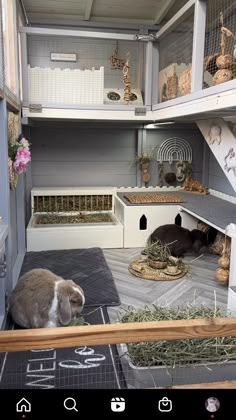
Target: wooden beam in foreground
[(42, 338), (208, 385)]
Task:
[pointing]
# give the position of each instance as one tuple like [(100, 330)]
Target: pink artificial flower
[(23, 157), (25, 143)]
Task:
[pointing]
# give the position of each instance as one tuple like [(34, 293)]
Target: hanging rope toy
[(126, 79)]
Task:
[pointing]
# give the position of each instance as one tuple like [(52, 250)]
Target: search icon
[(70, 404)]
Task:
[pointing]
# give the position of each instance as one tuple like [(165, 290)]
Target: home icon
[(23, 406)]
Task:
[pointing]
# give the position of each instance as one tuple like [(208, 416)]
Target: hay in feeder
[(188, 352), (58, 219)]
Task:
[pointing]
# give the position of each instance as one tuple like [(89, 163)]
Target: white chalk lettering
[(41, 367), (42, 378), (87, 363)]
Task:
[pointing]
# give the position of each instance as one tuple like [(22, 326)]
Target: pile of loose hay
[(179, 352)]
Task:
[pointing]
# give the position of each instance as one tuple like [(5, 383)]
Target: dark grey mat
[(93, 367), (86, 267)]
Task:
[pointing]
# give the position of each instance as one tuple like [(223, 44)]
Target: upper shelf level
[(186, 69)]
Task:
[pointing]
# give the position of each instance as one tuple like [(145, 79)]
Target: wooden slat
[(208, 385), (63, 337)]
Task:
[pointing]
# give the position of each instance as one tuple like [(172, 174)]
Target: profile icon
[(212, 404)]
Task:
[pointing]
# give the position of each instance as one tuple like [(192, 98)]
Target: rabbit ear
[(64, 310)]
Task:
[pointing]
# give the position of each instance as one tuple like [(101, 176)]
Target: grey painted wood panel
[(83, 157), (83, 181)]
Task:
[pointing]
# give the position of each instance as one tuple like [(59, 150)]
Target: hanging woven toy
[(126, 79), (222, 273), (224, 61), (116, 61)]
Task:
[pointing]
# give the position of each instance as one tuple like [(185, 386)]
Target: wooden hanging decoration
[(116, 61), (126, 79), (145, 172)]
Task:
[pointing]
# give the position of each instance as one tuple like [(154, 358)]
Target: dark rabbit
[(183, 239)]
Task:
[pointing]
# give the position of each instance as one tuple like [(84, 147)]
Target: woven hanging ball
[(222, 276), (224, 262), (224, 61), (223, 75)]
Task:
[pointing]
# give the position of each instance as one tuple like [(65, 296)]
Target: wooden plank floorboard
[(199, 286)]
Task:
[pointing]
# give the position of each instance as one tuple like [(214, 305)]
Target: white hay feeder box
[(73, 201), (142, 219)]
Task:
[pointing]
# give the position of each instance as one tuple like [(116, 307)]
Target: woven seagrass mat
[(141, 268), (153, 198)]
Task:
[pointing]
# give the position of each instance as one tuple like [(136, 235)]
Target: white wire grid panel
[(73, 86), (174, 149), (100, 367), (175, 59)]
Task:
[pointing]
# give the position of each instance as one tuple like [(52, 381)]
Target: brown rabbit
[(192, 185), (43, 299)]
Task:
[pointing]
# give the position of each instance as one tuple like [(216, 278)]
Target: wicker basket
[(141, 268)]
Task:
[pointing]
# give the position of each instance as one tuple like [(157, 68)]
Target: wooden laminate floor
[(199, 287)]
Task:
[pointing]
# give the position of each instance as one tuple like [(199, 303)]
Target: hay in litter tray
[(187, 352), (141, 268), (58, 219), (153, 198)]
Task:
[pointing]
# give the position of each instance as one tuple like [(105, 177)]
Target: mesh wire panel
[(1, 51), (102, 367), (220, 42), (97, 69), (9, 78), (175, 61)]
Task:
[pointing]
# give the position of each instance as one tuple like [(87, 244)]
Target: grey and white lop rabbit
[(43, 299)]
